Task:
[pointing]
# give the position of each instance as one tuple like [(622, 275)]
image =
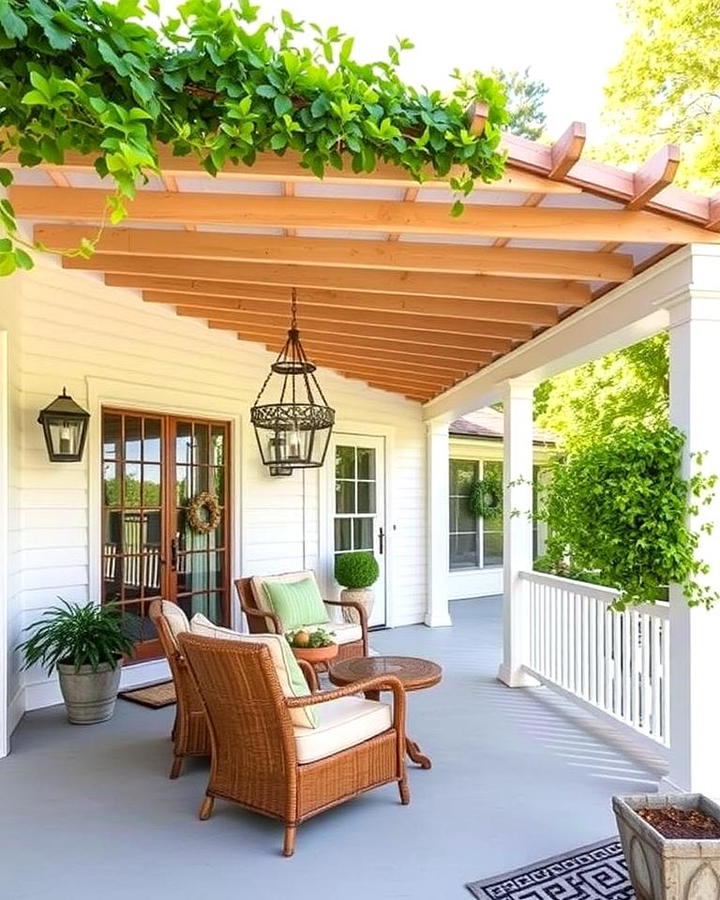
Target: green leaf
[(282, 104), (8, 264), (266, 90), (23, 260), (457, 209), (13, 26)]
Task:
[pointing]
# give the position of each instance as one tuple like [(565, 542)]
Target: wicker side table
[(415, 675)]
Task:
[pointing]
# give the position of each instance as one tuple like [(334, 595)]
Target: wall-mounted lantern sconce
[(65, 427)]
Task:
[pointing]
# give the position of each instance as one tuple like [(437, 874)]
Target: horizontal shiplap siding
[(72, 330)]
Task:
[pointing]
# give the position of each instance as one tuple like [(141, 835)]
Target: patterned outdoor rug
[(594, 872), (156, 696)]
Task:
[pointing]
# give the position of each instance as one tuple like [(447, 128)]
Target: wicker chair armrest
[(381, 683), (253, 613), (362, 615), (310, 675)]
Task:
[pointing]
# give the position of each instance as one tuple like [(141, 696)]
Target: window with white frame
[(474, 543)]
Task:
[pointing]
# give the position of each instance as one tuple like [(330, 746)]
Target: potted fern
[(357, 572), (85, 643)]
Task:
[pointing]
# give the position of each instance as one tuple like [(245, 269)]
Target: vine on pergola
[(115, 81)]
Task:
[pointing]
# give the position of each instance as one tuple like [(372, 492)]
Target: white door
[(357, 500)]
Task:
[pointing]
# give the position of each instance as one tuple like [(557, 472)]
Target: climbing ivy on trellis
[(117, 81), (617, 513)]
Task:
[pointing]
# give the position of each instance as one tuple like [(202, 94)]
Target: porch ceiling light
[(292, 420), (65, 427)]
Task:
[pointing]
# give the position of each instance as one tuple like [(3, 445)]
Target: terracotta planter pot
[(661, 868), (364, 596), (315, 655)]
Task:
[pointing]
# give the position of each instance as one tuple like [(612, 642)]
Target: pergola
[(392, 289), (560, 261)]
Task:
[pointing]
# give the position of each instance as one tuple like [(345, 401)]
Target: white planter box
[(662, 868)]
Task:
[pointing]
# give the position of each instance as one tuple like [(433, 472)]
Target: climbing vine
[(617, 513), (116, 81)]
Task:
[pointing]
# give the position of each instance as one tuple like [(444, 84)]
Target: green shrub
[(617, 513), (356, 570), (79, 635)]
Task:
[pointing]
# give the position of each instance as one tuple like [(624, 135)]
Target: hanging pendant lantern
[(292, 420)]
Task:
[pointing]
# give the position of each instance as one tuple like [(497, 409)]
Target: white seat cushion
[(341, 724), (344, 632)]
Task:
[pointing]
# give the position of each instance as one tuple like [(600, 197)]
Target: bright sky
[(569, 44)]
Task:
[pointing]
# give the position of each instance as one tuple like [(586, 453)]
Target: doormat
[(594, 872), (156, 696)]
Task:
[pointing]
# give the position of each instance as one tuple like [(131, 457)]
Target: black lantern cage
[(292, 420), (65, 426)]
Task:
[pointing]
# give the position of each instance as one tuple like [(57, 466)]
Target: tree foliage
[(666, 87), (97, 78), (525, 102), (590, 403), (617, 512)]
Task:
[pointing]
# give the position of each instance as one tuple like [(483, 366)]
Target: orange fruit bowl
[(316, 654)]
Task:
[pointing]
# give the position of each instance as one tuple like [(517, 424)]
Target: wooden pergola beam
[(242, 322), (494, 220), (654, 175), (229, 295), (567, 150), (287, 168), (274, 338), (713, 223), (419, 395), (324, 354), (430, 284), (258, 311), (370, 363), (347, 253)]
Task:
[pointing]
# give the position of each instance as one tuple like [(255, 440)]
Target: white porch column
[(438, 523), (517, 527), (695, 633)]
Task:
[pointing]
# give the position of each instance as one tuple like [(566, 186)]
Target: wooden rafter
[(347, 253), (370, 362), (713, 222), (346, 353), (567, 150), (348, 317), (654, 176), (334, 301), (469, 287), (559, 224), (312, 340), (248, 323)]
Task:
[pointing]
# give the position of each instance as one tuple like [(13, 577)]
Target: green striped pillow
[(297, 603)]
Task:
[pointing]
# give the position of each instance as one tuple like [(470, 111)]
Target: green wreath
[(203, 513), (485, 500)]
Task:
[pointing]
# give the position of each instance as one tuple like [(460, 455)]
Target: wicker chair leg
[(404, 790), (207, 807), (289, 844), (176, 767)]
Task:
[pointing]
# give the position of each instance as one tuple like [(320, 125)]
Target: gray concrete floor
[(518, 775)]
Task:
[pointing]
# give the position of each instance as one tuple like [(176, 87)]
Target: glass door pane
[(133, 496)]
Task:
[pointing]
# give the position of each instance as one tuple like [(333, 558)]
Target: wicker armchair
[(352, 638), (264, 763), (190, 733)]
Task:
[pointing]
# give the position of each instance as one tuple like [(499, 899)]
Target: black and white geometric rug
[(594, 872)]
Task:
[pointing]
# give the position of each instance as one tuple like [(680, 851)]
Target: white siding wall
[(107, 346)]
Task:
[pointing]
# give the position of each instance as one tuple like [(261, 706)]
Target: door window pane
[(133, 438), (131, 485), (345, 497), (492, 548), (151, 444), (345, 462), (366, 463), (366, 496), (343, 535), (363, 534), (112, 437), (151, 485), (462, 474), (461, 519), (464, 534), (463, 551)]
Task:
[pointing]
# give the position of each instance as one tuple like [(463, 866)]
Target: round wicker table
[(415, 675)]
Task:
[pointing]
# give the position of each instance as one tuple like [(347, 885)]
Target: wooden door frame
[(326, 539), (154, 397)]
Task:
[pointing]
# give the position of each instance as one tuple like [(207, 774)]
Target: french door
[(154, 466), (358, 504)]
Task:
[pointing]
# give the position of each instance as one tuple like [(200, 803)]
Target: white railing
[(617, 662)]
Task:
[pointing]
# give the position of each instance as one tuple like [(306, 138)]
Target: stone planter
[(89, 696), (662, 868), (364, 596)]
